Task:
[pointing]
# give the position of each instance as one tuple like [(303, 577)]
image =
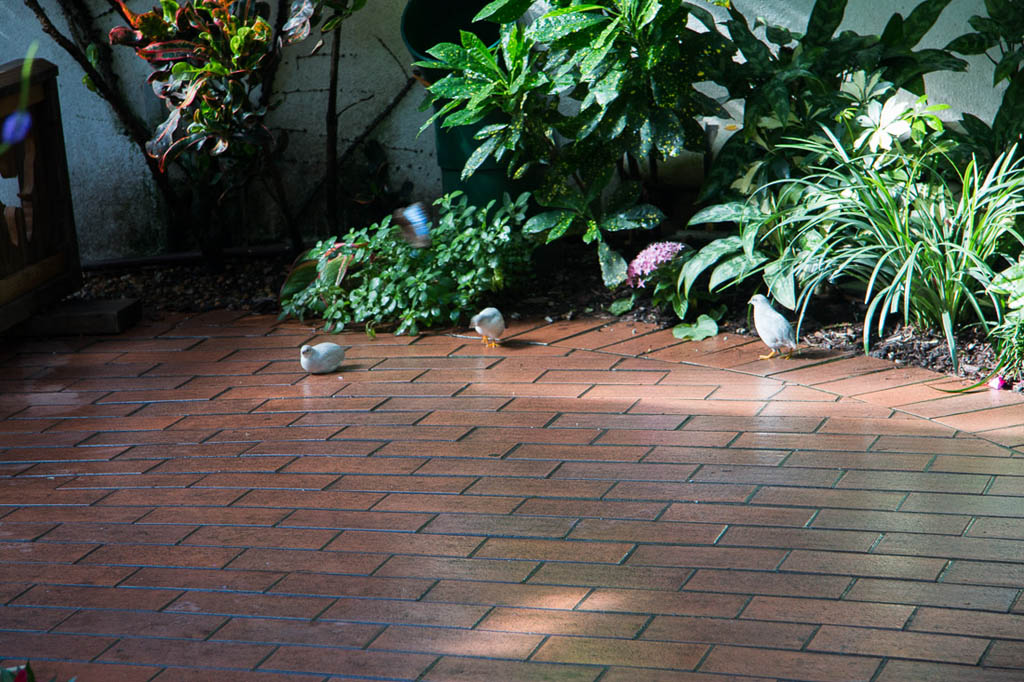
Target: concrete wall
[(116, 207)]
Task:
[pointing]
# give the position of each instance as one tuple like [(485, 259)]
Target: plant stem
[(331, 172)]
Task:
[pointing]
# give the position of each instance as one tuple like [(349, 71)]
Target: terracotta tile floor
[(586, 502)]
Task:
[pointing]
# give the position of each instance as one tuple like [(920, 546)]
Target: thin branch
[(380, 118), (397, 60)]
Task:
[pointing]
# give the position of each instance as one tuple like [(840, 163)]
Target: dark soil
[(569, 286)]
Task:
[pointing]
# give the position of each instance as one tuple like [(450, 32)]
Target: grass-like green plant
[(371, 276), (914, 242)]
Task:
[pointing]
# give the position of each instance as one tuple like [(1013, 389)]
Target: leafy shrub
[(587, 92), (373, 277)]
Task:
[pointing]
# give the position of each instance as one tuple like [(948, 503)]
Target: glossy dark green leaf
[(921, 19), (971, 43), (555, 26), (479, 155), (732, 212), (613, 265), (546, 221), (622, 305), (824, 21), (705, 258), (503, 11)]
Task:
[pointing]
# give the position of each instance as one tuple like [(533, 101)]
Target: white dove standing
[(774, 329), (322, 358), (490, 325)]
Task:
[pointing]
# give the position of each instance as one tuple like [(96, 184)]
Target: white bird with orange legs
[(774, 329), (490, 325)]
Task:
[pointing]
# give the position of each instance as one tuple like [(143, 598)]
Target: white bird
[(774, 329), (322, 358), (490, 325)]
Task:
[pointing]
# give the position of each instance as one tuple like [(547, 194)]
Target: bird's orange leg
[(769, 356)]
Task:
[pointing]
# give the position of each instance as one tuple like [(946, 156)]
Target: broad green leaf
[(705, 327), (704, 259), (613, 265), (921, 20), (643, 217), (478, 156), (971, 43), (548, 221), (734, 212), (503, 11), (824, 20), (734, 269), (622, 305), (554, 25), (781, 283)]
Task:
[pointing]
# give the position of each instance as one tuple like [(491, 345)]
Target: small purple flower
[(649, 260), (16, 127)]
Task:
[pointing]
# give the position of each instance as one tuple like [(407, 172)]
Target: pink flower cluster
[(649, 260)]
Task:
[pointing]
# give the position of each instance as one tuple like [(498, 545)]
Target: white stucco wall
[(116, 208)]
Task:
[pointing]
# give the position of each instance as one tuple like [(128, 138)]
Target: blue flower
[(16, 127)]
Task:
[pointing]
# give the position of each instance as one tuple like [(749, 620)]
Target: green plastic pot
[(425, 23)]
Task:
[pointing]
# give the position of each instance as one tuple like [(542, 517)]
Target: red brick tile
[(43, 552), (940, 446), (975, 623), (790, 664), (506, 594), (456, 568), (33, 645), (844, 407), (234, 536), (663, 602), (934, 594), (743, 515), (629, 675), (457, 642), (352, 586), (697, 407), (756, 423), (31, 618), (980, 505), (92, 672), (546, 621), (1005, 466), (657, 393), (957, 548), (706, 557), (348, 662), (457, 669), (681, 438), (443, 450), (891, 521), (663, 531), (984, 573), (11, 532), (860, 460), (605, 453), (280, 631), (610, 575), (335, 403), (827, 611), (227, 516), (605, 651), (804, 441), (311, 499), (373, 611), (997, 528), (914, 481), (202, 579), (272, 481), (1006, 655), (725, 631), (554, 550), (550, 390), (869, 565), (673, 492), (404, 543), (95, 597), (115, 533), (472, 504), (173, 652), (268, 559), (141, 624), (691, 455), (843, 499), (341, 520), (162, 555), (919, 671), (895, 644), (269, 605), (592, 508), (799, 538), (499, 525), (544, 487), (627, 472), (64, 574), (818, 478)]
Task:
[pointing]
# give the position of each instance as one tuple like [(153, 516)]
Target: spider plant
[(921, 237)]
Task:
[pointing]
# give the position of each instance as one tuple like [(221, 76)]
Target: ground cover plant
[(370, 276)]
